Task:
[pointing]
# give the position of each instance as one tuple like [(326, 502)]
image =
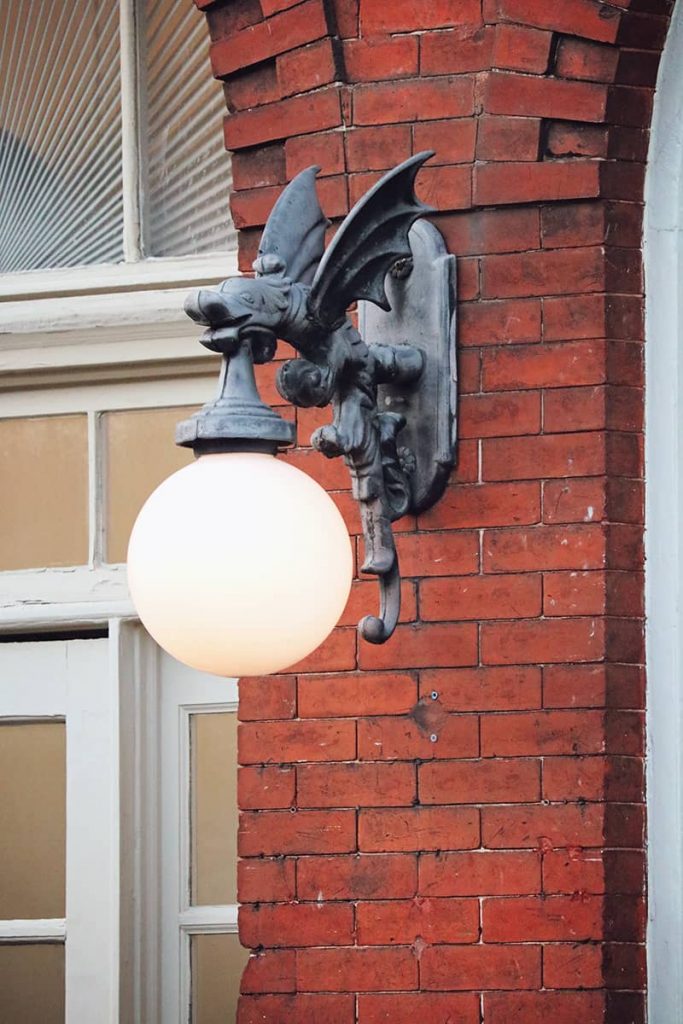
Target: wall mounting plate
[(422, 314)]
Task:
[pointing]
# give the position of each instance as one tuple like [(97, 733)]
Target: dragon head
[(253, 307)]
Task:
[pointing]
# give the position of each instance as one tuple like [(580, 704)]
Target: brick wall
[(449, 828)]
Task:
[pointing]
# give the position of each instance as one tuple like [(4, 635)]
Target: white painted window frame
[(77, 680), (663, 246)]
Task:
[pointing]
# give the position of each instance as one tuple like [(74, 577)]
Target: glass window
[(217, 965), (213, 811), (111, 141), (32, 983)]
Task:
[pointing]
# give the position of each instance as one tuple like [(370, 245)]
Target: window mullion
[(132, 118)]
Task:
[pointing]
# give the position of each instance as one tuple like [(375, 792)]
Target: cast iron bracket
[(391, 384)]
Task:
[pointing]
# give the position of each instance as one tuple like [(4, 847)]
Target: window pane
[(32, 819), (32, 984), (140, 453), (217, 965), (44, 479), (60, 134), (188, 169), (214, 808)]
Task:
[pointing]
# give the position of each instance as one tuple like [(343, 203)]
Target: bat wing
[(295, 229), (373, 236)]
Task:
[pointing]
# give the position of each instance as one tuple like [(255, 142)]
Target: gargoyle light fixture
[(240, 564)]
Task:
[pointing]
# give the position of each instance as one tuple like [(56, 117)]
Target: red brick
[(574, 501), (490, 323), (446, 188), (574, 593), (365, 876), (281, 832), (501, 415), (552, 272), (427, 99), (534, 96), (296, 924), (311, 113), (548, 455), (377, 148), (475, 782), (301, 1008), (479, 874), (548, 640), (346, 17), (258, 167), (361, 694), (484, 689), (508, 138), (356, 970), (592, 686), (261, 787), (308, 67), (577, 58), (260, 879), (273, 6), (326, 150), (546, 919), (593, 778), (577, 140), (438, 554), (480, 967), (428, 645), (388, 739), (545, 827), (519, 48), (224, 21), (480, 597), (374, 59), (453, 141), (263, 697), (485, 505), (418, 828), (545, 732), (576, 966), (576, 871), (490, 231), (575, 408), (363, 596), (405, 16), (350, 785), (271, 970), (455, 51), (468, 280), (263, 742), (540, 1007), (529, 182), (401, 922), (428, 1007), (337, 653), (575, 17), (303, 24)]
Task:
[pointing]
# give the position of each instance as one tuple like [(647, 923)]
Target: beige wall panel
[(44, 488), (32, 984), (214, 808), (140, 453), (217, 965), (32, 819)]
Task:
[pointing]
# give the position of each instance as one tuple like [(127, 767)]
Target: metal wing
[(370, 240), (295, 229)]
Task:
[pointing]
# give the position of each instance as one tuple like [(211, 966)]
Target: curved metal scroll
[(374, 629)]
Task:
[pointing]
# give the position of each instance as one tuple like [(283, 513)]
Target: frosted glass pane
[(60, 134), (214, 808), (32, 984), (188, 170), (140, 453), (32, 819), (217, 965), (44, 480)]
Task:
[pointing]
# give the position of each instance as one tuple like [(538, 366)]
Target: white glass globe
[(239, 564)]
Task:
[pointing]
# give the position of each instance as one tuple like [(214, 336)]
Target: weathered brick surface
[(453, 822)]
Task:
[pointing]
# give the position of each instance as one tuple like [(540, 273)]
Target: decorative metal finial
[(391, 384)]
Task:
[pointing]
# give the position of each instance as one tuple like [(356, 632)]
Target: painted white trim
[(663, 246), (51, 929), (45, 598), (209, 920)]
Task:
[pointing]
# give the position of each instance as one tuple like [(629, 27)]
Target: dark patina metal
[(392, 385)]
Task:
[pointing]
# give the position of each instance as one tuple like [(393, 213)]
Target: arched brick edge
[(385, 877)]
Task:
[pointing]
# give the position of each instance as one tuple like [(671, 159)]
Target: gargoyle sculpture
[(301, 293)]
